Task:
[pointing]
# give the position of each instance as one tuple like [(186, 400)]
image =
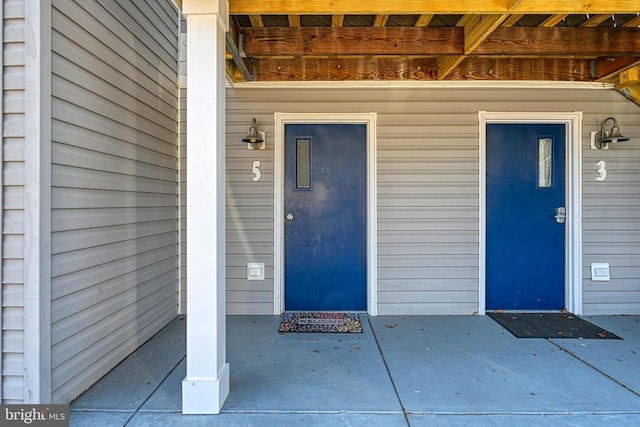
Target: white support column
[(206, 385)]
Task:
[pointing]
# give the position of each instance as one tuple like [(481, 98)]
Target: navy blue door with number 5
[(325, 217), (524, 239)]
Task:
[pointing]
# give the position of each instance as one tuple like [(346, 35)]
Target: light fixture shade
[(253, 136), (603, 138), (615, 136)]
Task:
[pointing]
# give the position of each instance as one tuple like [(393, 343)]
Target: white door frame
[(573, 197), (369, 119)]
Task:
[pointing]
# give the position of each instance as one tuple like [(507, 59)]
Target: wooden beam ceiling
[(607, 68), (559, 40), (476, 29), (278, 41), (423, 69), (424, 41), (418, 7)]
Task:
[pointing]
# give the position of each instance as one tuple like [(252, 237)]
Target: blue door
[(525, 193), (325, 217)]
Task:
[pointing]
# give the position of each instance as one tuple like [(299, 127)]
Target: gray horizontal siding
[(428, 203), (114, 188), (611, 213), (12, 91)]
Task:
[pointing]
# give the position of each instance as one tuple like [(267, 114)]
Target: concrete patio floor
[(402, 371)]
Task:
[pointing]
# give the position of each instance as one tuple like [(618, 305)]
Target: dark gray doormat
[(549, 325), (320, 322)]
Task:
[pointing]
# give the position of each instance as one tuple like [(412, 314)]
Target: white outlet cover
[(255, 271), (600, 272)]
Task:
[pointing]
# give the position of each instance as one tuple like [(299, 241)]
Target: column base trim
[(205, 396)]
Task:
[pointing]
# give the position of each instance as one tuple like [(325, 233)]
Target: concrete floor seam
[(386, 366), (572, 354), (154, 390)]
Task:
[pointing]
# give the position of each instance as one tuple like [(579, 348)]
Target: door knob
[(289, 216), (561, 215)]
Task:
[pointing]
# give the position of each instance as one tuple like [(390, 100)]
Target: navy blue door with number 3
[(525, 232), (325, 217)]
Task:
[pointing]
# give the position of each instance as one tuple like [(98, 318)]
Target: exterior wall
[(13, 200), (428, 204), (611, 211), (114, 183)]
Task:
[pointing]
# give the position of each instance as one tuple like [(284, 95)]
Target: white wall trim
[(370, 119), (37, 232), (431, 84), (573, 188)]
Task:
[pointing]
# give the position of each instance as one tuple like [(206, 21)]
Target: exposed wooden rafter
[(423, 20), (511, 20), (595, 20), (275, 41), (517, 41), (294, 21), (631, 92), (343, 69), (635, 22), (559, 40), (629, 77), (629, 83), (377, 68), (380, 20), (417, 7), (553, 20), (337, 20), (477, 33), (256, 21), (607, 68)]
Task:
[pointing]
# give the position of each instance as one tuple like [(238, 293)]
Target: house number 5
[(601, 170), (257, 173)]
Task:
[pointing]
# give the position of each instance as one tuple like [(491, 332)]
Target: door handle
[(289, 216), (561, 214)]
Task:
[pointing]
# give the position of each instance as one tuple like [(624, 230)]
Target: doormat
[(549, 325), (321, 322)]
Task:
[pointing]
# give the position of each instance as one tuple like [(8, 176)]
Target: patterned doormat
[(320, 322), (549, 325)]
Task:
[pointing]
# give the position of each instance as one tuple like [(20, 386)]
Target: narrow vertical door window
[(545, 150), (303, 164)]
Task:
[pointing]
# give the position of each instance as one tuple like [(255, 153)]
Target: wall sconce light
[(254, 139), (600, 140)]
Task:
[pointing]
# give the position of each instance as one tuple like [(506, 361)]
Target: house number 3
[(257, 173), (601, 170)]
